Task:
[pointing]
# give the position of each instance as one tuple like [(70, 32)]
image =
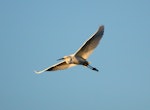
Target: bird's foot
[(95, 69), (92, 68)]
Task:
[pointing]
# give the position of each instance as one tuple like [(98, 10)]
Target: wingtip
[(38, 72), (101, 28)]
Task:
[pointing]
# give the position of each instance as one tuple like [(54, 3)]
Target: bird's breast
[(79, 60)]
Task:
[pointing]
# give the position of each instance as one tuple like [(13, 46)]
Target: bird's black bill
[(60, 59)]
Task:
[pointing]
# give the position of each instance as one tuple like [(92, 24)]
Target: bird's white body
[(80, 57), (73, 59)]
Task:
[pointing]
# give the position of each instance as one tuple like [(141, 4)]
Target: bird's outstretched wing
[(59, 66), (87, 48)]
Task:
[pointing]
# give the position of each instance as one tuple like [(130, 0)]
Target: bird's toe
[(95, 69)]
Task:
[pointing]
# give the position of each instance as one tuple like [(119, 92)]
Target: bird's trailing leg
[(92, 68)]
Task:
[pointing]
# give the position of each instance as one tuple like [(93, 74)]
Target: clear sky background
[(34, 34)]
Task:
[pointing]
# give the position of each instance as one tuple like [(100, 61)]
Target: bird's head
[(60, 59), (63, 58), (68, 59)]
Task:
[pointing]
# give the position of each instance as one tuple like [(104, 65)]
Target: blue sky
[(34, 34)]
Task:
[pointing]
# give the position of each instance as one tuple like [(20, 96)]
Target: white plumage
[(80, 57)]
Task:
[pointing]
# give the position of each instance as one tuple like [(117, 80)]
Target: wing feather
[(59, 66), (87, 48)]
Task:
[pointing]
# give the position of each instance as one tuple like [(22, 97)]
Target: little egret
[(79, 57)]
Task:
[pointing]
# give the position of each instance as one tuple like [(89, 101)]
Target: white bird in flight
[(79, 57)]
